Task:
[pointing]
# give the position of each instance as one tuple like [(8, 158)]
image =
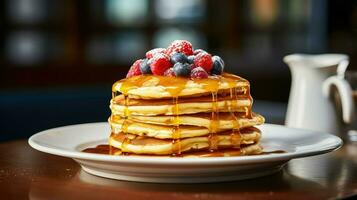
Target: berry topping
[(199, 72), (152, 52), (182, 69), (134, 69), (191, 59), (203, 60), (159, 64), (178, 57), (145, 67), (181, 46), (169, 72), (197, 51), (218, 65)]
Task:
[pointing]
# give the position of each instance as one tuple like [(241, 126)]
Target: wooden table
[(27, 173)]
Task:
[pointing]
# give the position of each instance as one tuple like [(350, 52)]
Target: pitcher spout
[(318, 61)]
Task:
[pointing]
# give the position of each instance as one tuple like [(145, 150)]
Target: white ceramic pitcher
[(310, 103)]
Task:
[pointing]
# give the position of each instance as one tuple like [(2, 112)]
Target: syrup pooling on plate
[(109, 150)]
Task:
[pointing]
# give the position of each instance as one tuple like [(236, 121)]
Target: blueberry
[(197, 51), (218, 65), (178, 57), (182, 69), (191, 59), (145, 67)]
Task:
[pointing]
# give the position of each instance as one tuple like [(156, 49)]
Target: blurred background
[(59, 58)]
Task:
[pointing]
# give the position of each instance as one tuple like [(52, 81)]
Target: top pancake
[(182, 106), (156, 87)]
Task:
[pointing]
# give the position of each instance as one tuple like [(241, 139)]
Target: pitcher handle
[(345, 91)]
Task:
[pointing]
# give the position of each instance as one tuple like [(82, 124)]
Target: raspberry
[(198, 72), (169, 72), (134, 69), (180, 46), (159, 63), (203, 60), (152, 52)]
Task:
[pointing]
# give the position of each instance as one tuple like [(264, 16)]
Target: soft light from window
[(165, 36), (26, 47), (127, 11), (27, 11), (187, 11), (129, 46)]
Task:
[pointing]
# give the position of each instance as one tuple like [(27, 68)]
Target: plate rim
[(154, 160)]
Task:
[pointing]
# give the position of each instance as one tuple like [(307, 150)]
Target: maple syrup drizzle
[(212, 86), (213, 138), (176, 134), (175, 88), (126, 109), (235, 135), (124, 130), (249, 110), (125, 88), (125, 123)]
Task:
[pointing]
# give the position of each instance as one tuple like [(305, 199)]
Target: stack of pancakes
[(158, 115)]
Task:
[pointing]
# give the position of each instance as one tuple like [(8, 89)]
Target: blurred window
[(264, 13), (129, 46), (164, 36), (128, 12), (122, 48), (26, 47), (183, 11), (99, 50), (27, 11)]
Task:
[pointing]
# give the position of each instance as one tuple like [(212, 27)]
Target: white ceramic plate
[(68, 141)]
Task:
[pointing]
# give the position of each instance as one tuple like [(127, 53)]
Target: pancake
[(120, 100), (147, 145), (226, 120), (156, 87), (163, 131), (157, 131), (223, 105)]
